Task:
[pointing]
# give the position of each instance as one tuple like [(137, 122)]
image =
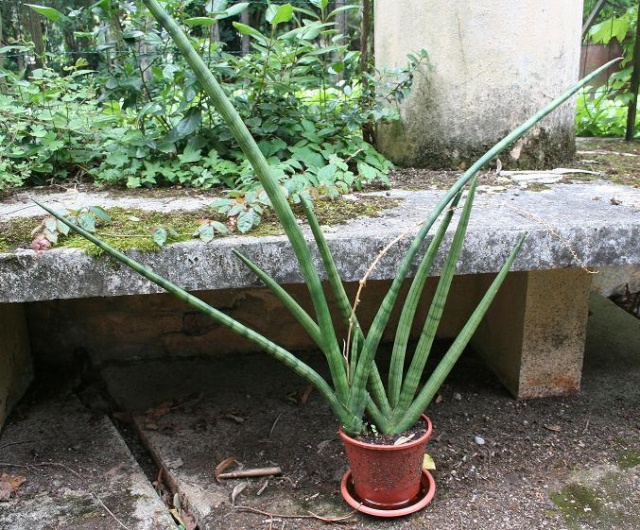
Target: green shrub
[(602, 111), (146, 122)]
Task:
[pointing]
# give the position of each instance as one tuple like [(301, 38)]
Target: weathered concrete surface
[(15, 357), (87, 480), (490, 67), (202, 411), (533, 336), (569, 226), (615, 280)]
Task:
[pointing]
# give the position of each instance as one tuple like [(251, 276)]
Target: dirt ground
[(554, 463), (557, 463)]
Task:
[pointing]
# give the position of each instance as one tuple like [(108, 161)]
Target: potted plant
[(355, 390)]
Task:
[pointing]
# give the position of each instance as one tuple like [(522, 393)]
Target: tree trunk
[(144, 64), (341, 28), (215, 32), (341, 18), (635, 85), (245, 41), (33, 24), (368, 133), (3, 82)]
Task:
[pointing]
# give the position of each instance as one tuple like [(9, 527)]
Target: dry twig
[(255, 472), (553, 232), (363, 282)]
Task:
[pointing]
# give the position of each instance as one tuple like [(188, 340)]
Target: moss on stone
[(133, 228), (16, 233), (619, 161)]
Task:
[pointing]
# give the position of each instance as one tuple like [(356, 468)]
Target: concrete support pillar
[(534, 334), (493, 63), (16, 370)]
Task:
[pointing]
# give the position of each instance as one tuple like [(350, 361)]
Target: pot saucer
[(427, 491)]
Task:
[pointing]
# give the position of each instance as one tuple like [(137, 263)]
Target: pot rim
[(380, 447), (428, 483)]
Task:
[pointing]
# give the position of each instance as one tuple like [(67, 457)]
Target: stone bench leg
[(534, 334), (16, 370)]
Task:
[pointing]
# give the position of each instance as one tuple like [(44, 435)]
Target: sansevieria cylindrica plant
[(354, 389)]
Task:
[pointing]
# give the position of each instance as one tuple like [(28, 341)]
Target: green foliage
[(602, 111), (208, 229), (600, 114), (52, 227), (609, 16), (49, 127), (146, 121)]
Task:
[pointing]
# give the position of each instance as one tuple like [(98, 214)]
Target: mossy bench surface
[(569, 226)]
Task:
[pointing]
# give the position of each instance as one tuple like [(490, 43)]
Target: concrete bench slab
[(569, 226), (533, 337)]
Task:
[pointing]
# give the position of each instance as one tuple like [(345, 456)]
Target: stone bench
[(533, 336)]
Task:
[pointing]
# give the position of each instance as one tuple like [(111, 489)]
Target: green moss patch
[(619, 161), (604, 498), (578, 501), (134, 228)]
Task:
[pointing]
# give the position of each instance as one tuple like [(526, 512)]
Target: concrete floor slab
[(62, 467), (201, 411)]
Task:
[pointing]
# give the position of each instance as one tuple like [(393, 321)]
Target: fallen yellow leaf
[(428, 463)]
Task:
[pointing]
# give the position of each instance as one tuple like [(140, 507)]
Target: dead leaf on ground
[(9, 484), (263, 487), (305, 394), (161, 410), (554, 428), (237, 491), (233, 415), (428, 463), (185, 520), (189, 521), (222, 466), (5, 491)]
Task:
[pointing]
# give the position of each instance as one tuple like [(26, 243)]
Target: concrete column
[(534, 334), (16, 371), (493, 63)]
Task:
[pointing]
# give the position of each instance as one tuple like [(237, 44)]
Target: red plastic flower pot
[(386, 477)]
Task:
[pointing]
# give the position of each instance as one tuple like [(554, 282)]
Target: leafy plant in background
[(602, 111), (354, 386), (49, 125), (300, 90), (599, 113), (52, 227)]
